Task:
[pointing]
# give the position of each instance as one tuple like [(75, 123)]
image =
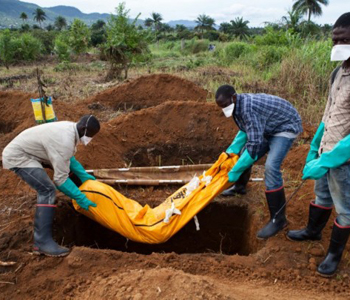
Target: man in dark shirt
[(267, 124)]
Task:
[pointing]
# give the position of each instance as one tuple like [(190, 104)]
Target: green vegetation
[(290, 58), (125, 42), (22, 47)]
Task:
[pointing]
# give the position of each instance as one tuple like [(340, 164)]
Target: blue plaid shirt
[(263, 115)]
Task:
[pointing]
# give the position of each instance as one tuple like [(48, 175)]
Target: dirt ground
[(160, 120)]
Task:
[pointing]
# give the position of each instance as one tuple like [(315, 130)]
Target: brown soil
[(223, 260), (149, 91)]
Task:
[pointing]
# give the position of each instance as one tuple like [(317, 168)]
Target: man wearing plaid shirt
[(267, 124)]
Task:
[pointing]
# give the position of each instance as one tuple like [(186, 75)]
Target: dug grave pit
[(226, 227)]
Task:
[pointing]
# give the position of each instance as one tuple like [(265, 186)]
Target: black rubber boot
[(239, 188), (43, 242), (339, 238), (275, 200), (318, 218)]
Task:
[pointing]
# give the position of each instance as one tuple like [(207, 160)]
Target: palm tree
[(23, 16), (39, 16), (60, 23), (154, 21), (225, 27), (292, 20), (239, 28), (204, 23), (310, 7)]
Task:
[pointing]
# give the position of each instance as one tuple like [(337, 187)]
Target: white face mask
[(340, 53), (228, 110), (86, 139)]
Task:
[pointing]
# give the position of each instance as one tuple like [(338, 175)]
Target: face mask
[(86, 139), (228, 110), (340, 53)]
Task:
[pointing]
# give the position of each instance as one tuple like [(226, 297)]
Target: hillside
[(10, 11)]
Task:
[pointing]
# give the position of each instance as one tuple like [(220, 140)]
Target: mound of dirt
[(149, 91), (170, 133), (149, 284)]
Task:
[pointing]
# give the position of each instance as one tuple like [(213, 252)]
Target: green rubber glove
[(338, 156), (243, 163), (78, 169), (315, 144), (72, 191), (238, 143)]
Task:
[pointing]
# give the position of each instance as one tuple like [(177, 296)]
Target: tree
[(293, 20), (98, 33), (39, 16), (6, 48), (182, 32), (125, 43), (204, 23), (165, 29), (79, 37), (23, 16), (239, 28), (50, 27), (60, 23), (225, 27), (99, 24), (155, 22), (310, 7)]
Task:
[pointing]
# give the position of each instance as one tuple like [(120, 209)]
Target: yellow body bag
[(145, 224)]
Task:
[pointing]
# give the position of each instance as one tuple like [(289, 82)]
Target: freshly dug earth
[(169, 131), (147, 91)]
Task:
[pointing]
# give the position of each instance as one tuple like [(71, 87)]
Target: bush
[(6, 48), (79, 37), (233, 51), (62, 48), (269, 55), (195, 46), (276, 37), (27, 47), (47, 39)]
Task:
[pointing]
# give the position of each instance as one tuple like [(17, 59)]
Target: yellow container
[(38, 104)]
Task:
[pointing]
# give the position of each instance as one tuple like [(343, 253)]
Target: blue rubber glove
[(78, 169), (238, 143), (243, 163), (71, 190), (315, 144), (338, 156)]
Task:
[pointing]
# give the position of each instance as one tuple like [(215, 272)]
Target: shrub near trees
[(18, 48), (125, 42)]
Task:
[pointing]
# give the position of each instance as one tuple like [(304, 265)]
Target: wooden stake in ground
[(42, 94)]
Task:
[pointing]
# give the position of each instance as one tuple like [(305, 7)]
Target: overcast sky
[(256, 11)]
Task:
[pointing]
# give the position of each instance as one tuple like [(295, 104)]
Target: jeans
[(38, 179), (334, 188), (276, 148)]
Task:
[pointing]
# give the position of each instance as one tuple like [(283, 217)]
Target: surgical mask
[(340, 53), (228, 110), (86, 139)]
